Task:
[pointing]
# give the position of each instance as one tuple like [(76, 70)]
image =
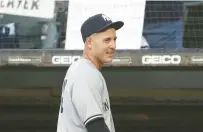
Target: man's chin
[(108, 60)]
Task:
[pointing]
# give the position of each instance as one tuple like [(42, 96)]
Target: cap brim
[(116, 25)]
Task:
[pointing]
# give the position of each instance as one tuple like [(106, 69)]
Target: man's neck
[(94, 61)]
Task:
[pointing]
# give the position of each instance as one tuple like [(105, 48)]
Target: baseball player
[(85, 105)]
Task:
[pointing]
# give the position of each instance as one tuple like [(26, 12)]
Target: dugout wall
[(152, 99)]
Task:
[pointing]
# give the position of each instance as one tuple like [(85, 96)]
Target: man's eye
[(107, 40)]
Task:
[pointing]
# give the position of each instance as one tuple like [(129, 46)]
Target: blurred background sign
[(129, 11), (29, 8)]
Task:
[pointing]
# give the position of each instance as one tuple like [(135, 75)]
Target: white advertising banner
[(30, 8), (131, 12)]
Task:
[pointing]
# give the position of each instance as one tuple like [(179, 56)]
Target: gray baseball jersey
[(84, 98)]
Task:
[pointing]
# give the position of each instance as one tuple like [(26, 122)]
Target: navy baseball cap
[(98, 23)]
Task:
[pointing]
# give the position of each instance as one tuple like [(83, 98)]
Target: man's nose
[(113, 44)]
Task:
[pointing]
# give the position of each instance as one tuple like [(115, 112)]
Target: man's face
[(103, 45)]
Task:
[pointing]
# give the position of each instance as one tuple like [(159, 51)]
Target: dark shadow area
[(142, 99)]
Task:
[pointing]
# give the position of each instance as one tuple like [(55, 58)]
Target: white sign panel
[(131, 12), (31, 8)]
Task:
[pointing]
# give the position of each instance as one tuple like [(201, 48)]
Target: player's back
[(68, 119)]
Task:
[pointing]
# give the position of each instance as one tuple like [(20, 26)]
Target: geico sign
[(64, 59), (161, 59)]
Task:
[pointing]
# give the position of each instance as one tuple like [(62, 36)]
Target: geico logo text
[(64, 59), (161, 59)]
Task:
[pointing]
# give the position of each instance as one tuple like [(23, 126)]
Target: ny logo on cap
[(106, 18)]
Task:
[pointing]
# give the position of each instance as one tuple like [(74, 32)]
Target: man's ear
[(88, 42)]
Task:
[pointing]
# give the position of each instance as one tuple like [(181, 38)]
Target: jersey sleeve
[(86, 98)]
